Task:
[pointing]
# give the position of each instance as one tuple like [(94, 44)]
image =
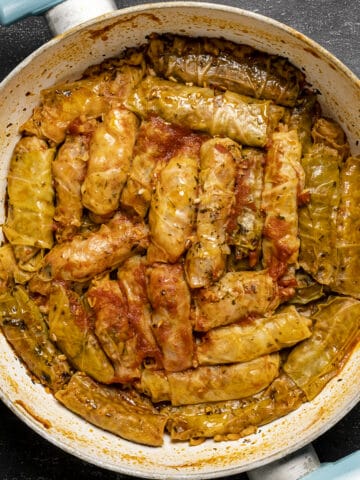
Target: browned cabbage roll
[(318, 218), (283, 182), (68, 169), (236, 296), (122, 412), (244, 229), (328, 132), (25, 328), (29, 223), (222, 64), (101, 88), (170, 300), (71, 327), (242, 342), (110, 154), (315, 361), (172, 207), (243, 119), (347, 279), (206, 259), (233, 419), (213, 383), (84, 257), (157, 141)]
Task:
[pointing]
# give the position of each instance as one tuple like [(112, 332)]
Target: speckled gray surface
[(335, 24)]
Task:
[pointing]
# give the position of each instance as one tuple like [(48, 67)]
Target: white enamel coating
[(66, 57)]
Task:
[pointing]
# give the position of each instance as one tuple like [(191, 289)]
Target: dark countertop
[(336, 26)]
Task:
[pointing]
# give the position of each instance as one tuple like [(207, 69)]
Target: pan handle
[(292, 467), (61, 15)]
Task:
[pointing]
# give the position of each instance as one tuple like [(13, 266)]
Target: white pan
[(66, 57)]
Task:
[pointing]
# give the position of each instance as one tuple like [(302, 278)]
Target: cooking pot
[(65, 58)]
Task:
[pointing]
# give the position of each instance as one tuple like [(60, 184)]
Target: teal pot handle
[(13, 10)]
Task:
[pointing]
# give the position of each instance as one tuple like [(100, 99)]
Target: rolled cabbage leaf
[(346, 279), (25, 328), (71, 325), (315, 361), (170, 299), (243, 119), (206, 259), (242, 342), (122, 412), (110, 153), (222, 64), (236, 296), (216, 383), (318, 218), (29, 223), (234, 419)]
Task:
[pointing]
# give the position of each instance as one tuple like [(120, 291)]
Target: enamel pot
[(65, 58)]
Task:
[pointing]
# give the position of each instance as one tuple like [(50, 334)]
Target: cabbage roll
[(84, 257), (156, 143), (26, 330), (68, 169), (10, 270), (122, 412), (283, 182), (222, 64), (244, 229), (233, 419), (113, 329), (110, 154), (71, 327), (170, 300), (243, 119), (206, 259), (172, 207), (236, 296), (132, 276), (317, 219), (29, 223), (315, 361), (216, 383), (347, 279), (101, 88), (302, 118), (242, 342)]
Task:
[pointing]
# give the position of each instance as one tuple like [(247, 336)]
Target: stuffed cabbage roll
[(242, 342), (110, 154), (243, 119), (244, 229), (233, 419), (25, 329), (206, 259), (68, 169), (10, 270), (157, 141), (29, 223), (84, 257), (170, 300), (236, 296), (317, 219), (132, 276), (283, 183), (113, 329), (303, 116), (172, 207), (215, 383), (122, 412), (101, 88), (314, 362), (222, 64), (71, 327), (346, 279)]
